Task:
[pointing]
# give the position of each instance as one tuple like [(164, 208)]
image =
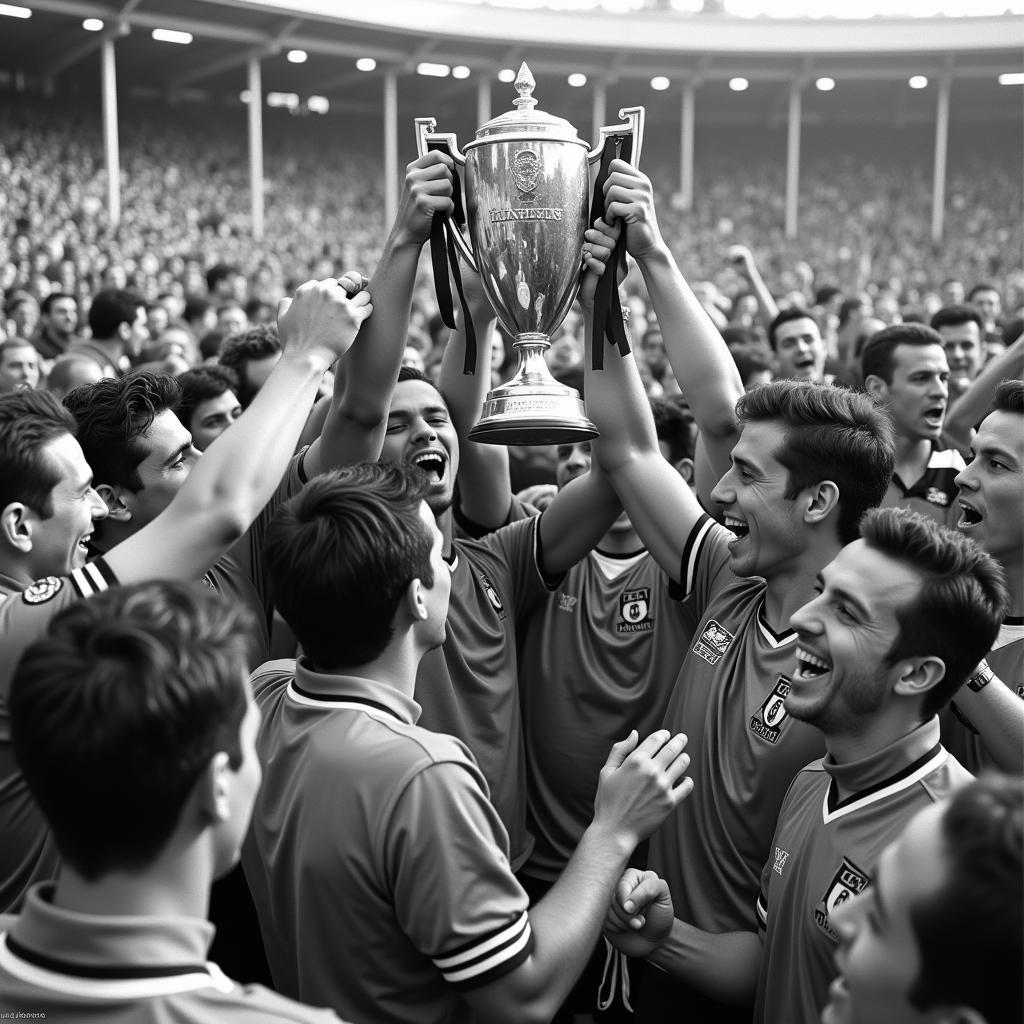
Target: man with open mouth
[(906, 372)]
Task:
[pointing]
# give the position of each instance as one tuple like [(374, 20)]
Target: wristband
[(980, 677)]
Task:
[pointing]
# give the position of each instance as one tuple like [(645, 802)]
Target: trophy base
[(533, 418)]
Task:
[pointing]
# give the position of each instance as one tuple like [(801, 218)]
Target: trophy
[(528, 200)]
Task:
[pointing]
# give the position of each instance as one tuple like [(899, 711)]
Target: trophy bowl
[(527, 183)]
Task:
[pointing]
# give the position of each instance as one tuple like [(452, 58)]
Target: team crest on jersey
[(781, 856), (492, 595), (937, 496), (567, 603), (847, 882), (43, 590), (635, 611), (713, 642), (768, 721)]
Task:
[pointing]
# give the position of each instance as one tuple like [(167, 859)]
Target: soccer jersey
[(1006, 659), (27, 852), (74, 968), (934, 494), (599, 657), (744, 749), (824, 853), (378, 865), (468, 688)]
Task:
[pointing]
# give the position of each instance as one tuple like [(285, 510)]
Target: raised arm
[(972, 406), (997, 714), (742, 259), (484, 486), (238, 473), (355, 427)]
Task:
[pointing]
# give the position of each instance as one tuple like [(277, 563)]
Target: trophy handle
[(634, 125), (425, 135)]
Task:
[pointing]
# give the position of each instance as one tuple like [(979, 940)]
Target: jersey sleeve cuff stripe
[(462, 955), (482, 970), (93, 578), (691, 552), (762, 912)]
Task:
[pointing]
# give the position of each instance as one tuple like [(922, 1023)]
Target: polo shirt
[(825, 851), (73, 967), (934, 493), (469, 687), (598, 657), (377, 864), (27, 852)]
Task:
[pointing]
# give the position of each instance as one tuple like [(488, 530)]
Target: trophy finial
[(525, 86)]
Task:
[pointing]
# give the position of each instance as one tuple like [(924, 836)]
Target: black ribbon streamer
[(607, 311), (444, 256)]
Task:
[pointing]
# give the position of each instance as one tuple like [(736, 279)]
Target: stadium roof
[(868, 58)]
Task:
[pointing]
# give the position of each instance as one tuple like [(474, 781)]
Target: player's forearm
[(701, 361), (997, 713), (765, 303), (723, 966), (973, 404)]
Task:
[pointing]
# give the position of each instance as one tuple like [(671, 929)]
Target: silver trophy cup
[(527, 182)]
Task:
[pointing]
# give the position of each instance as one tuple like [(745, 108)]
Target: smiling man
[(938, 938), (899, 618), (799, 350), (906, 372)]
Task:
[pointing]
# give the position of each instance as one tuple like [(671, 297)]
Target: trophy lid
[(526, 118)]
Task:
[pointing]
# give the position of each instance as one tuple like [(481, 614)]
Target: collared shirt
[(825, 851), (86, 969), (377, 864), (934, 493)]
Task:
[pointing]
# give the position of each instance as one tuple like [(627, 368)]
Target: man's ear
[(215, 788), (415, 606), (876, 387), (916, 676), (16, 526), (819, 501), (685, 469), (113, 498)]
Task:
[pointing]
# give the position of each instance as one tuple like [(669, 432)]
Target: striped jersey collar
[(113, 957), (886, 771), (352, 693), (787, 636)]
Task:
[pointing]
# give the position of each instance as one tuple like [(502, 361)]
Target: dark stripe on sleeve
[(691, 552), (93, 578), (489, 958)]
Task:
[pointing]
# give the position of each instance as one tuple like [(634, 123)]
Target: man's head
[(19, 365), (132, 724), (937, 937), (905, 371), (354, 563), (231, 318), (252, 355), (809, 458), (208, 404), (963, 338), (119, 315), (23, 311), (677, 436), (986, 300), (901, 618), (992, 483), (59, 314), (652, 348), (951, 291), (140, 453), (48, 506), (799, 350), (224, 281), (420, 434), (72, 371)]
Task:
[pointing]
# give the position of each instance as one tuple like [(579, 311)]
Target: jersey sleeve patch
[(489, 958), (43, 590)]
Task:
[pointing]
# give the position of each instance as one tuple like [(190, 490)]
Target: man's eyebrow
[(177, 453)]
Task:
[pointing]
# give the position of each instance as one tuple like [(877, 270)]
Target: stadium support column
[(793, 158), (687, 127), (483, 100), (598, 109), (111, 145), (256, 146), (941, 148), (390, 147)]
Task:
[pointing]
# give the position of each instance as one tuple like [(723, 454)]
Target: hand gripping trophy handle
[(527, 180)]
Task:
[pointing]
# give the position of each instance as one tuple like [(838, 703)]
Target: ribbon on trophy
[(444, 256), (607, 311)]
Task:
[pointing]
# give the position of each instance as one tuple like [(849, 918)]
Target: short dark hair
[(737, 335), (238, 350), (112, 415), (411, 373), (831, 434), (879, 359), (29, 421), (826, 293), (784, 317), (220, 272), (676, 427), (117, 710), (112, 307), (1009, 397), (984, 286), (340, 555), (954, 316), (199, 385), (47, 304), (848, 308), (959, 608), (195, 308), (750, 362), (974, 922)]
